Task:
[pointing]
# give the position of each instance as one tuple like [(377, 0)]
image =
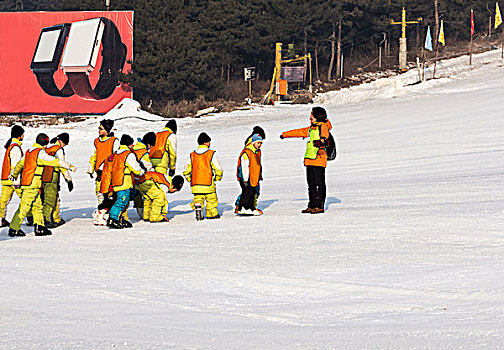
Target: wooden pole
[(470, 51), (435, 63)]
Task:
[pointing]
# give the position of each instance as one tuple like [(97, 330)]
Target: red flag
[(472, 23)]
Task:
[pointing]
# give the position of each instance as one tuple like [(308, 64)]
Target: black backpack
[(330, 148)]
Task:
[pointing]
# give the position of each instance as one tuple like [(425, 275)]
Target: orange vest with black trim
[(159, 148), (6, 168), (156, 177), (106, 177), (47, 175), (255, 168), (119, 168), (139, 153), (30, 165), (103, 150), (202, 173)]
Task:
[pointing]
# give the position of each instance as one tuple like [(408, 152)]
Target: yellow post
[(250, 88), (309, 64), (402, 40), (278, 63)]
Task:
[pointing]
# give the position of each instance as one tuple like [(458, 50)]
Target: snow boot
[(307, 210), (245, 212), (125, 223), (213, 217), (52, 224), (16, 233), (257, 212), (199, 211), (41, 231), (115, 224), (29, 221), (5, 223), (317, 211)]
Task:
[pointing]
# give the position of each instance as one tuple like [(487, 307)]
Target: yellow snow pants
[(211, 203), (5, 198), (155, 206), (51, 206), (30, 200)]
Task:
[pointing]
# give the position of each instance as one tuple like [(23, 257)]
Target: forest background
[(195, 50)]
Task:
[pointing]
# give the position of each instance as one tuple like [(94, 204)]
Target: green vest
[(311, 150)]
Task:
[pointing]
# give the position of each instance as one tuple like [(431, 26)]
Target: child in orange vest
[(202, 170), (249, 173)]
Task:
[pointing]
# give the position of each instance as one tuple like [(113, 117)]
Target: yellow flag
[(441, 34), (498, 18)]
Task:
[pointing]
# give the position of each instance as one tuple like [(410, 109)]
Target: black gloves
[(319, 143), (171, 172), (90, 175), (70, 186), (282, 137)]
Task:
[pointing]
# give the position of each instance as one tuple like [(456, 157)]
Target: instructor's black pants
[(316, 186)]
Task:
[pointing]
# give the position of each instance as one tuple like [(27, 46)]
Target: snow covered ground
[(409, 254)]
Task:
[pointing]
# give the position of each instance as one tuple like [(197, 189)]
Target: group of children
[(144, 172)]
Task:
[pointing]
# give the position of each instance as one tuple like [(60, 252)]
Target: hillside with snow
[(409, 254)]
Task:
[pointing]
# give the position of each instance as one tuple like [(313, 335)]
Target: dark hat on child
[(149, 139), (319, 114), (63, 137), (42, 139), (260, 131), (177, 182), (203, 138), (126, 140), (107, 124), (172, 125), (17, 131)]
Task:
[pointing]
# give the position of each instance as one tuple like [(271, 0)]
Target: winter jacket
[(317, 133), (249, 167), (124, 166), (164, 153), (13, 155), (104, 147)]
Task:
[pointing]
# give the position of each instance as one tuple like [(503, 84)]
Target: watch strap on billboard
[(46, 82), (113, 58)]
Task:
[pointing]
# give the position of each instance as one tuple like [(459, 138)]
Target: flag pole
[(435, 62), (472, 34)]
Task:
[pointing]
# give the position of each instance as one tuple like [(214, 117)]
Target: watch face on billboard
[(49, 48), (83, 46)]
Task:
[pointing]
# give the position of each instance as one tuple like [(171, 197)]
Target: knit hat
[(260, 131), (149, 139), (319, 114), (107, 124), (172, 124), (177, 182), (126, 140), (42, 139), (63, 137), (17, 131), (256, 138), (203, 138)]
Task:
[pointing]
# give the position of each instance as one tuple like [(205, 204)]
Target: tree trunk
[(338, 53), (331, 62), (305, 67), (316, 60)]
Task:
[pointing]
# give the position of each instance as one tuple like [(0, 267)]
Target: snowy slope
[(408, 255)]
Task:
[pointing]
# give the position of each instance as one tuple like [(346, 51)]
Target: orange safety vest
[(6, 168), (255, 168), (106, 177), (156, 177), (103, 150), (202, 173), (47, 175), (30, 165), (139, 153), (159, 148), (119, 168)]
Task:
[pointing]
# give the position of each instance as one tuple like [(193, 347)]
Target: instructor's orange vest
[(255, 168), (119, 168), (47, 175), (103, 150), (201, 173), (139, 153), (30, 165), (159, 148), (156, 177), (6, 169), (106, 177)]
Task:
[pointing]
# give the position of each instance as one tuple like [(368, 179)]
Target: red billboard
[(64, 62)]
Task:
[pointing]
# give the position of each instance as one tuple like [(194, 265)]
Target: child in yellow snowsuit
[(155, 187), (51, 180), (31, 168), (13, 155), (164, 153), (202, 170)]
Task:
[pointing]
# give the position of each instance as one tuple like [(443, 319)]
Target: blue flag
[(428, 40)]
